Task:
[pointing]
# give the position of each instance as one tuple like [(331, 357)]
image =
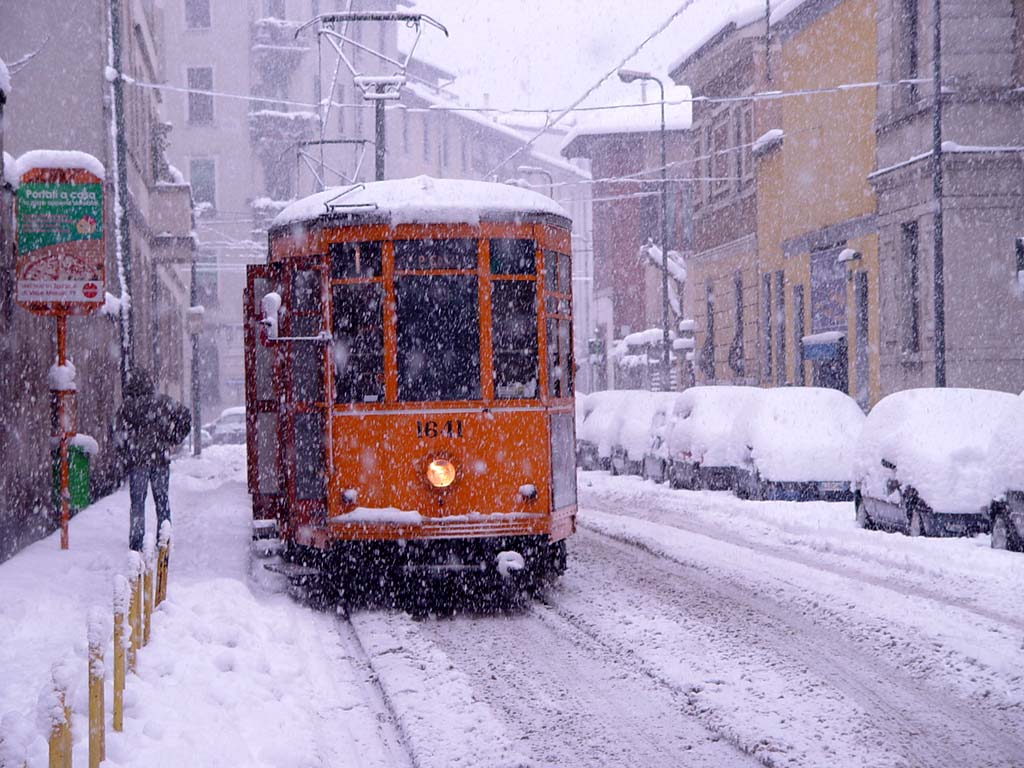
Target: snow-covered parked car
[(1006, 473), (800, 443), (633, 436), (704, 450), (922, 462), (599, 430), (229, 427), (584, 405), (655, 466)]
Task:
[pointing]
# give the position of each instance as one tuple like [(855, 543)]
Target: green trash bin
[(78, 477)]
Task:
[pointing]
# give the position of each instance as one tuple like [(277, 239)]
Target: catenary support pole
[(666, 376), (379, 134), (937, 183), (196, 397)]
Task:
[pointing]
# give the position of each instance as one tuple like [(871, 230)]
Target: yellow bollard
[(163, 556), (147, 601), (135, 608), (60, 719), (120, 647), (97, 673)]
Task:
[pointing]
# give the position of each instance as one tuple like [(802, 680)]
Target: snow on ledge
[(422, 199), (59, 158), (825, 337), (767, 141)]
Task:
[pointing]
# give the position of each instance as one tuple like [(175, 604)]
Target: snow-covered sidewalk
[(234, 675)]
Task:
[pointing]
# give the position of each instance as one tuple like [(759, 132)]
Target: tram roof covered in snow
[(421, 200)]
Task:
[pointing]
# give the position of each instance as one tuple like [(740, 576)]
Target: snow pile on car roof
[(601, 427), (702, 428), (637, 419), (1006, 452), (939, 440), (801, 433), (422, 199)]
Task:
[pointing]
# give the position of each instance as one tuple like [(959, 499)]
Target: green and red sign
[(61, 254)]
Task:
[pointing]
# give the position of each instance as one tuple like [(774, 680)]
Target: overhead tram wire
[(586, 94), (752, 97)]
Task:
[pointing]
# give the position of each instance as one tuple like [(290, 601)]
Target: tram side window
[(513, 257), (438, 337), (514, 338), (354, 260), (358, 349), (560, 359)]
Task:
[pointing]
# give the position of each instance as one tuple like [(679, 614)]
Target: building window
[(707, 352), (746, 154), (912, 292), (197, 14), (203, 177), (444, 145), (766, 328), (798, 335), (736, 348), (426, 138), (200, 105), (275, 9), (721, 164), (908, 47), (780, 327)]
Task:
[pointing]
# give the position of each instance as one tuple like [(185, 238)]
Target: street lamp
[(545, 172), (630, 76)]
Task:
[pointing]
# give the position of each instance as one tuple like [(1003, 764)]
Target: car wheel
[(919, 524), (1003, 534), (863, 518)]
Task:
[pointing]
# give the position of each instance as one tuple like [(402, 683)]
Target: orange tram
[(409, 384)]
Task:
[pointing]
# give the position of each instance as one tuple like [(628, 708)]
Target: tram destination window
[(514, 338), (358, 349), (455, 253), (513, 257), (355, 260), (438, 337)]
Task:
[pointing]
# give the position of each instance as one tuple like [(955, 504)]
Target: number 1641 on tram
[(409, 383)]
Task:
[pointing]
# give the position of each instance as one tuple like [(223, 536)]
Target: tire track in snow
[(851, 698), (444, 725), (572, 700)]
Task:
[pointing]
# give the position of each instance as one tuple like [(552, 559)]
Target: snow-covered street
[(690, 629)]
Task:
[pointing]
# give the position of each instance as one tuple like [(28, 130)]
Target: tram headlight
[(440, 473)]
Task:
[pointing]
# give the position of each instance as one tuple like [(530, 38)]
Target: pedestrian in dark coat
[(152, 426)]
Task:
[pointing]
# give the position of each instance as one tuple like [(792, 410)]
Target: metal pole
[(937, 243), (665, 383), (62, 429), (197, 431), (380, 137), (123, 199)]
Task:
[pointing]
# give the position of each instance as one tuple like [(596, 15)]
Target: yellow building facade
[(817, 238)]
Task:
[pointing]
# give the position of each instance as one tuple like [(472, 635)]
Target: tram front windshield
[(437, 320)]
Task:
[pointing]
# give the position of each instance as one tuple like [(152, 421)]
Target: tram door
[(296, 427)]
